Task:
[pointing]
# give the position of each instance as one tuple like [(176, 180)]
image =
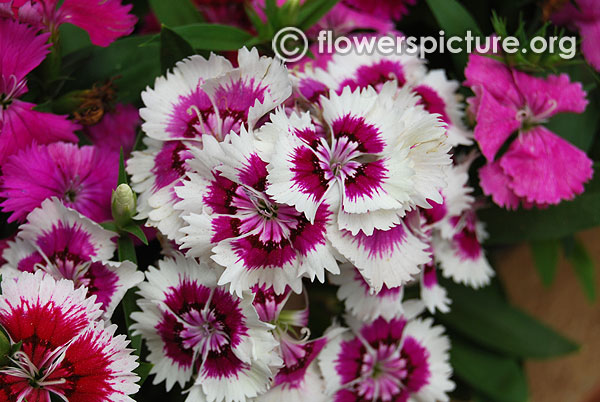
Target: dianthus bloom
[(198, 97), (388, 360), (584, 15), (65, 244), (200, 333), (371, 157), (257, 239), (539, 168), (82, 178), (104, 20), (65, 351), (22, 50)]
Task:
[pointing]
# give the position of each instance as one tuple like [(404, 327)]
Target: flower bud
[(123, 204)]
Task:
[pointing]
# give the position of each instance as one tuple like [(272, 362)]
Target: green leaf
[(261, 28), (143, 370), (272, 12), (173, 48), (110, 225), (213, 36), (312, 11), (72, 38), (122, 171), (498, 377), (134, 66), (578, 129), (176, 12), (545, 255), (584, 268), (490, 321), (455, 20), (137, 232), (508, 227), (126, 249), (4, 347)]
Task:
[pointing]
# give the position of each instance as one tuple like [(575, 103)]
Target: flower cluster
[(264, 178), (264, 184)]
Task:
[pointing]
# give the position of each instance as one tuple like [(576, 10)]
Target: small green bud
[(123, 204)]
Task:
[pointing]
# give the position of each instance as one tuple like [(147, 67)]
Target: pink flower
[(539, 167), (116, 129), (584, 15), (21, 50), (66, 351), (81, 177), (104, 20)]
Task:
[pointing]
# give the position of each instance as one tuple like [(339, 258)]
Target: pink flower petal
[(495, 124), (546, 169), (21, 126), (104, 20), (496, 183), (21, 50)]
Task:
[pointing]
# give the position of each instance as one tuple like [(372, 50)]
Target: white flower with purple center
[(198, 97), (211, 97), (65, 244), (367, 156), (65, 351), (197, 330), (257, 240), (395, 360)]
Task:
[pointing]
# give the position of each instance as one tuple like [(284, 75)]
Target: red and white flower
[(66, 351)]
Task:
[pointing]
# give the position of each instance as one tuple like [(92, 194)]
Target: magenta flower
[(116, 130), (104, 20), (584, 15), (66, 352), (539, 167), (388, 360), (82, 178), (67, 245), (197, 330), (21, 50)]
